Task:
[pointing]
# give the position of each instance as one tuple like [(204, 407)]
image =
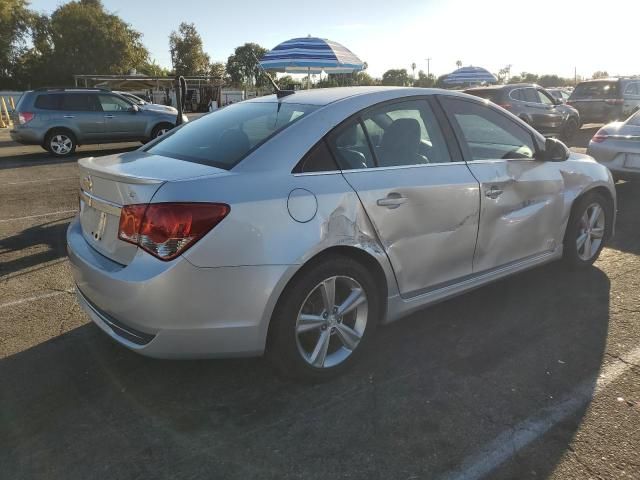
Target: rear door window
[(78, 102), (517, 94), (224, 137), (48, 102), (530, 95)]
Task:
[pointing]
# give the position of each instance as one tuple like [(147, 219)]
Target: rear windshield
[(223, 138), (595, 90), (487, 94), (634, 119)]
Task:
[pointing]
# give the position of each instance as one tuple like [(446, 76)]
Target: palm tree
[(413, 68), (458, 63)]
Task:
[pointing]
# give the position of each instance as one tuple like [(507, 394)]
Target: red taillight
[(166, 230), (600, 136), (506, 106), (25, 117), (614, 101)]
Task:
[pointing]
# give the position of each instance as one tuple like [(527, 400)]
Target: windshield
[(223, 138)]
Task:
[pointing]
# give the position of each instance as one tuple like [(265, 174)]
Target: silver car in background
[(294, 225), (617, 146)]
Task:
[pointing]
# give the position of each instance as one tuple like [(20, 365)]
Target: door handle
[(108, 116), (493, 192), (393, 200), (69, 116)]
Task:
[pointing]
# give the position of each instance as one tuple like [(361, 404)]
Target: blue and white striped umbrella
[(470, 75), (311, 55)]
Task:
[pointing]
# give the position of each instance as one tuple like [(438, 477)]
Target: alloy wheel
[(331, 321), (590, 231), (61, 144), (161, 132)]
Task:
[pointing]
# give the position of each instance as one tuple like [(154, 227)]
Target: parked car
[(144, 105), (606, 100), (61, 119), (617, 145), (295, 225), (559, 94), (535, 106)]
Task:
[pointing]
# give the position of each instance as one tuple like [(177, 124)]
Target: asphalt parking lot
[(537, 376)]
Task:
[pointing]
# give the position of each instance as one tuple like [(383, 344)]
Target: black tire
[(160, 130), (285, 345), (60, 143), (576, 227), (570, 128)]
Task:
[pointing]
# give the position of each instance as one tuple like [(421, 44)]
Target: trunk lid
[(107, 183)]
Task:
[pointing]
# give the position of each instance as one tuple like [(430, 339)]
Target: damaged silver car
[(293, 225)]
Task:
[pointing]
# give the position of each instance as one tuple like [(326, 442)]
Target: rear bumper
[(174, 309), (26, 136), (610, 156)]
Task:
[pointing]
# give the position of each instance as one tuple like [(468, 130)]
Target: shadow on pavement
[(31, 159), (627, 237), (434, 388), (51, 235)]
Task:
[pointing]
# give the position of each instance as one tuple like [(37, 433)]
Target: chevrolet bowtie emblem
[(87, 183)]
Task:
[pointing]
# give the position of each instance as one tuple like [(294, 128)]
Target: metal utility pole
[(428, 66)]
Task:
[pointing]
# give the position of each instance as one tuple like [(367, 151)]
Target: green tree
[(398, 77), (365, 80), (187, 54), (15, 22), (218, 70), (81, 37), (424, 80), (243, 68), (551, 81), (152, 69)]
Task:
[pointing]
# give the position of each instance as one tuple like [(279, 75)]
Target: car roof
[(325, 96)]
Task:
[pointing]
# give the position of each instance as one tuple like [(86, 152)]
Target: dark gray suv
[(534, 105), (606, 100), (61, 119)]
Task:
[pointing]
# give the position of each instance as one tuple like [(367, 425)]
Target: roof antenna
[(279, 93)]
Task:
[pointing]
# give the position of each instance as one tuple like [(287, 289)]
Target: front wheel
[(587, 230), (324, 320), (160, 130), (571, 127)]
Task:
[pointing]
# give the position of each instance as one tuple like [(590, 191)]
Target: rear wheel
[(61, 143), (324, 320), (587, 230)]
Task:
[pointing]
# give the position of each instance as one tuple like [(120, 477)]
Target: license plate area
[(632, 160)]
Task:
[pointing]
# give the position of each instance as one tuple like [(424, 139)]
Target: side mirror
[(555, 150), (134, 109)]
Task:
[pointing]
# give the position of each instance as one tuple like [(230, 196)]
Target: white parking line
[(52, 214), (34, 298), (508, 443), (45, 180)]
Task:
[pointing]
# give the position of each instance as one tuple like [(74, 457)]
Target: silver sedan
[(293, 226), (617, 146)]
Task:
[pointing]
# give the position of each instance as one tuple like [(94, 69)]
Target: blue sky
[(544, 36)]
